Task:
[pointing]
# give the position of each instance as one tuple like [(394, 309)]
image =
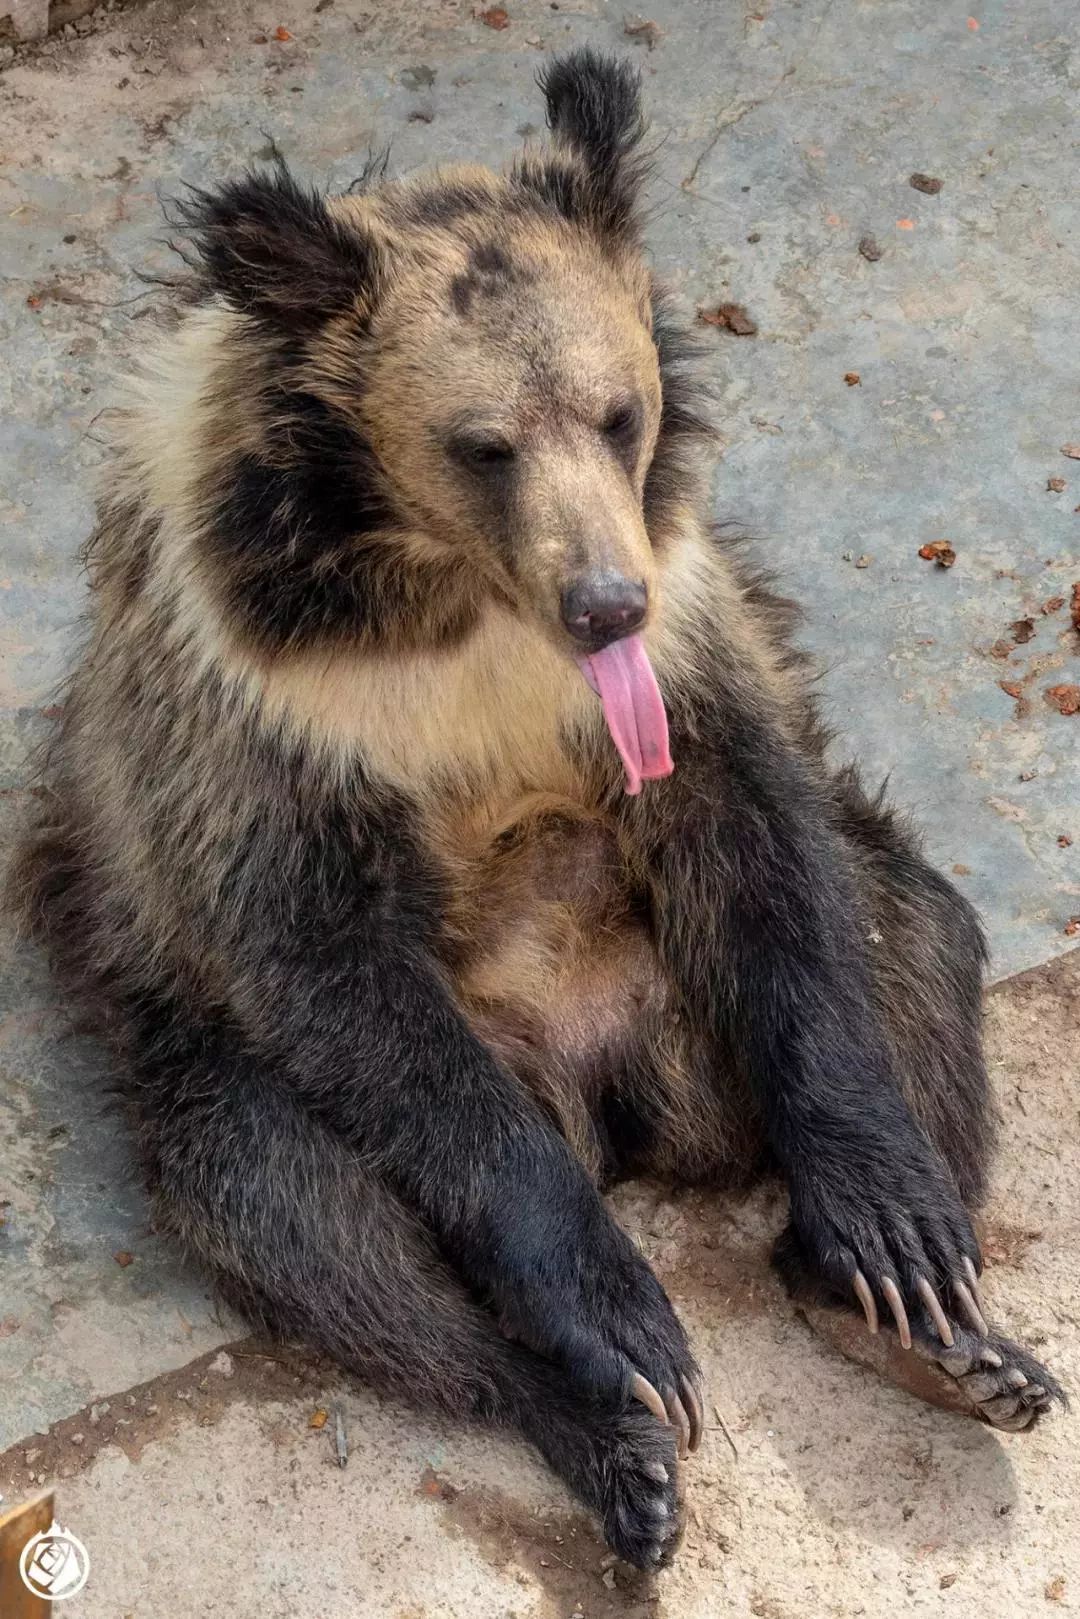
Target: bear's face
[(512, 397)]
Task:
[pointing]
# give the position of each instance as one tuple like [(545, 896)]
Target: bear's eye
[(621, 420), (484, 454)]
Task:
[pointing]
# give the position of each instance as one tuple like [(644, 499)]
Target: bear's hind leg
[(309, 1241)]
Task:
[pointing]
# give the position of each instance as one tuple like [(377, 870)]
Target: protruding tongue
[(623, 678)]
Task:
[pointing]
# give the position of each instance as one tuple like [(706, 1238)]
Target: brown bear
[(440, 827)]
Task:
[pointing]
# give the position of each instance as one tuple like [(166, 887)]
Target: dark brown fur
[(337, 849)]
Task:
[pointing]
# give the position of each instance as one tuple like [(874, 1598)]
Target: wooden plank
[(16, 1528)]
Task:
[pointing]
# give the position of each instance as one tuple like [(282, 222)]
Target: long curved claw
[(866, 1298), (642, 1390), (680, 1422), (970, 1308), (973, 1282), (934, 1310), (694, 1412), (896, 1305)]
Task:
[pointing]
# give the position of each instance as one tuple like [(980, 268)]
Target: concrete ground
[(785, 133)]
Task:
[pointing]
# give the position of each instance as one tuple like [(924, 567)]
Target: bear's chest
[(489, 720)]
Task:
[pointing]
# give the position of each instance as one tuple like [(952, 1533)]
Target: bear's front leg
[(466, 1147), (347, 1001), (755, 912)]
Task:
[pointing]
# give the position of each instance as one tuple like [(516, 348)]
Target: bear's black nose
[(600, 607)]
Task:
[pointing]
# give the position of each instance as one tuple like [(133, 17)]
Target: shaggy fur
[(337, 851)]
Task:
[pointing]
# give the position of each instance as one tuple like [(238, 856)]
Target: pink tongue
[(633, 707)]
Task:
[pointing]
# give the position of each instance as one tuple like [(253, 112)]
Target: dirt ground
[(819, 1490)]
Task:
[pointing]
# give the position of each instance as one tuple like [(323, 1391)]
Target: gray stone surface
[(798, 125), (76, 1322)]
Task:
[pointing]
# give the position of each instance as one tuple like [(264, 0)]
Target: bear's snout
[(602, 606)]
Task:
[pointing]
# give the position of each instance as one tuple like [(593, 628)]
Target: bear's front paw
[(898, 1239), (603, 1315), (635, 1315)]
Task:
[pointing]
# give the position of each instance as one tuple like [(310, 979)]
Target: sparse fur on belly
[(552, 956)]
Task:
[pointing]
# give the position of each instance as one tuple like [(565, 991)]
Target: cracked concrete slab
[(785, 132)]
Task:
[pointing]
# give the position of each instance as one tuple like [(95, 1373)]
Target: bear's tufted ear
[(272, 248), (594, 111)]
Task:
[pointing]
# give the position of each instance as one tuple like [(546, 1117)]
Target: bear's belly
[(551, 951)]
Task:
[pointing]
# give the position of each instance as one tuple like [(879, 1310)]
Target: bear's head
[(456, 389)]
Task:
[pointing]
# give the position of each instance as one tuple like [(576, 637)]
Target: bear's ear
[(594, 112), (273, 250)]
